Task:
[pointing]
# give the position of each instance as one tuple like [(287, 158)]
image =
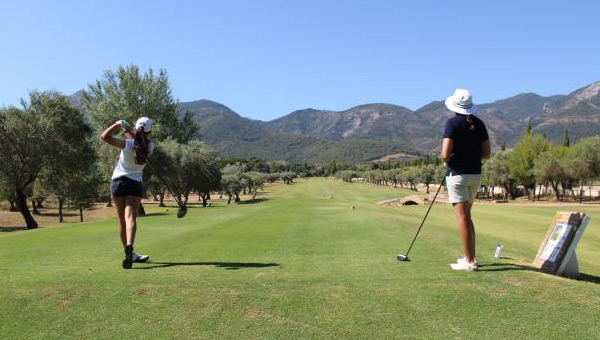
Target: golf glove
[(123, 123)]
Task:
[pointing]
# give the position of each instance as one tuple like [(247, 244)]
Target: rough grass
[(298, 264)]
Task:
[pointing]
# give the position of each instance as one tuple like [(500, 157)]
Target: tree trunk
[(228, 199), (81, 213), (141, 211), (21, 202), (202, 197), (60, 209), (555, 188), (13, 207), (34, 207), (161, 199)]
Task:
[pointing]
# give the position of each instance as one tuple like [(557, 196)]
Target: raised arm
[(108, 137)]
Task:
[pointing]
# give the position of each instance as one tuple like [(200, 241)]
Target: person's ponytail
[(141, 147), (470, 123)]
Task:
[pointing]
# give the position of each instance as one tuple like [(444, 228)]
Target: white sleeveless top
[(126, 165)]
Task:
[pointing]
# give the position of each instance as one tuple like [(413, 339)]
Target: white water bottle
[(498, 251)]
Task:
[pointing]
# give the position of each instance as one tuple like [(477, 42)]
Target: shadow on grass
[(256, 200), (226, 265), (10, 229), (55, 214), (504, 266), (155, 214)]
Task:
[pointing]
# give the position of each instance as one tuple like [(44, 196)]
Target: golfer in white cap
[(465, 144), (126, 186)]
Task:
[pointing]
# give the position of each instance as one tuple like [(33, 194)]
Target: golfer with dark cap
[(126, 186), (465, 144)]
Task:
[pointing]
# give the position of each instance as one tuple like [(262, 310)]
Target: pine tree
[(566, 139)]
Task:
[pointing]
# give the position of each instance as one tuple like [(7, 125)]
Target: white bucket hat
[(461, 102), (144, 124)]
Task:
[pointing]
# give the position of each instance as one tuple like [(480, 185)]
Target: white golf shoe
[(140, 258), (464, 259), (464, 265)]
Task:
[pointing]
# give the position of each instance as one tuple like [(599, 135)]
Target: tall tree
[(231, 180), (199, 169), (72, 156), (209, 177), (426, 175), (496, 173), (548, 168), (582, 161), (522, 158), (21, 155), (566, 139), (128, 94), (38, 137)]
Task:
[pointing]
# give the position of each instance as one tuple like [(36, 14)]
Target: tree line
[(534, 167), (49, 147)]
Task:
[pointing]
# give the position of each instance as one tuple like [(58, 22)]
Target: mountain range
[(373, 132)]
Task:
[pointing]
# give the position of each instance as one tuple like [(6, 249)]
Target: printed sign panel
[(558, 241)]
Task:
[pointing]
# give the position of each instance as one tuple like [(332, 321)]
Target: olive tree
[(582, 161), (128, 94), (495, 172), (71, 158), (522, 158), (231, 181), (46, 136), (549, 169)]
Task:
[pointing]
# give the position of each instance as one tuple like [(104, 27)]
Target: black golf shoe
[(128, 261)]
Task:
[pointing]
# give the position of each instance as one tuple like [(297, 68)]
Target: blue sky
[(265, 59)]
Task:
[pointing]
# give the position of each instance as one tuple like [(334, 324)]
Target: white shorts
[(462, 188)]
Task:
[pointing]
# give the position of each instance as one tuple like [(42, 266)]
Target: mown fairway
[(298, 264)]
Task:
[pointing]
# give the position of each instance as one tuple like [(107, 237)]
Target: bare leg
[(120, 206), (466, 228), (127, 210), (131, 207)]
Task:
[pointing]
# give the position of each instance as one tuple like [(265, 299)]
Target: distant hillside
[(219, 125), (372, 131)]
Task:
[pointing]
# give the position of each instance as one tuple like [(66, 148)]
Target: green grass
[(299, 264)]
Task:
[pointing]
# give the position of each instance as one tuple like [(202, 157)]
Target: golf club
[(182, 209), (404, 257)]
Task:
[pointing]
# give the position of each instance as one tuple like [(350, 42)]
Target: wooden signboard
[(556, 254)]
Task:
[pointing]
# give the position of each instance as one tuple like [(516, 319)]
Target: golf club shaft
[(164, 183), (427, 213)]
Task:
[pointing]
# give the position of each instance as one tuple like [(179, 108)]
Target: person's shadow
[(226, 265), (504, 266)]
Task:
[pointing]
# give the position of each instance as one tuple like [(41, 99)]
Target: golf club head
[(181, 212), (401, 257)]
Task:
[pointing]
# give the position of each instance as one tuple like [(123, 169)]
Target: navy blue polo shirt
[(465, 158)]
